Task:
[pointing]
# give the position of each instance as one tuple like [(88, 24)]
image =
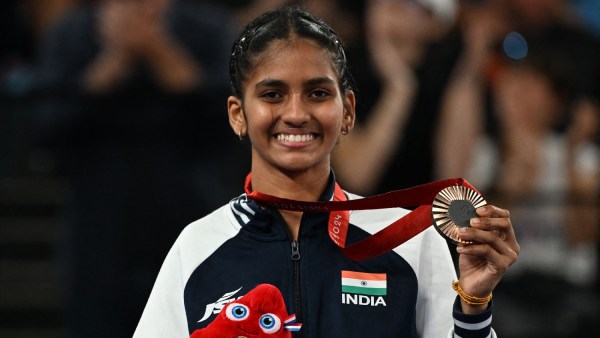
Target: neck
[(307, 185), (300, 186)]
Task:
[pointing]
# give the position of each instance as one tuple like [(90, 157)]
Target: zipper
[(297, 291), (295, 251)]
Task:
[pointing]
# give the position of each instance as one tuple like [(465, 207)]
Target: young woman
[(293, 98)]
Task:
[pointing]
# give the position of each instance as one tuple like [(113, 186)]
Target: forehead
[(288, 60)]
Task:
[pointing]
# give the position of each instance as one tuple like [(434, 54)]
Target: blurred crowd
[(126, 100)]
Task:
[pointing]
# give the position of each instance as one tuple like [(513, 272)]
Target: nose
[(295, 112)]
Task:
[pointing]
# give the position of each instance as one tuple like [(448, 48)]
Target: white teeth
[(295, 138)]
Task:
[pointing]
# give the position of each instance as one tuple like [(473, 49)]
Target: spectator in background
[(127, 94), (21, 22), (529, 159), (398, 37), (537, 155)]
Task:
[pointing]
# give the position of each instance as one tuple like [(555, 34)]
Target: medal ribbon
[(385, 240)]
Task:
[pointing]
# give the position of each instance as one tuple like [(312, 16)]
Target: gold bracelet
[(471, 300)]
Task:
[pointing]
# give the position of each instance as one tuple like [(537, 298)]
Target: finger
[(492, 211), (497, 220), (501, 226), (501, 261), (483, 252), (506, 247), (491, 223)]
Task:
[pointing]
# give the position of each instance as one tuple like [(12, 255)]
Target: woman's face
[(293, 110), (526, 100)]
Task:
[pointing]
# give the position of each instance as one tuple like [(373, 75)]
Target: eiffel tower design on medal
[(452, 209)]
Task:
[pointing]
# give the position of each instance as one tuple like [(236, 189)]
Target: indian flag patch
[(364, 283)]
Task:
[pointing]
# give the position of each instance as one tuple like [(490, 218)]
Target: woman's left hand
[(494, 249)]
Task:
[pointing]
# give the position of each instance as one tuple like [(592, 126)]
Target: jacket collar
[(251, 215)]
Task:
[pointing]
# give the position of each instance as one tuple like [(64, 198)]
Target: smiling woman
[(293, 98)]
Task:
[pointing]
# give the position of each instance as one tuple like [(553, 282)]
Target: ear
[(349, 111), (237, 120)]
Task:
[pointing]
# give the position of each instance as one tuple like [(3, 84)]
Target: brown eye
[(319, 93), (271, 96)]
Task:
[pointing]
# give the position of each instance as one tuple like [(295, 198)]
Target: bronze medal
[(453, 208)]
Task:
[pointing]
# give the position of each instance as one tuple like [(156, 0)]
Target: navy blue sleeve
[(472, 326)]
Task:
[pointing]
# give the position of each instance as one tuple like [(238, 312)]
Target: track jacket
[(222, 256)]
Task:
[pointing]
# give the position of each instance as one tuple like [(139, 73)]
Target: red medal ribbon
[(385, 240)]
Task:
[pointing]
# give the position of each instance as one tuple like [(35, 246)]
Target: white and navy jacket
[(224, 255)]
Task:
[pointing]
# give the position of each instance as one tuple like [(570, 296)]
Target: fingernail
[(475, 221)]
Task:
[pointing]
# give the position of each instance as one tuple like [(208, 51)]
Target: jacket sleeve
[(164, 315), (472, 326), (492, 334)]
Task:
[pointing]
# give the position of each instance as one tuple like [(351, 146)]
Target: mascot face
[(252, 322), (260, 313)]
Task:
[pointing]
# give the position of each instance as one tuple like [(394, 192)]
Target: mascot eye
[(269, 323), (237, 312)]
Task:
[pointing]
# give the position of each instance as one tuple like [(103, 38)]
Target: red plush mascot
[(260, 313)]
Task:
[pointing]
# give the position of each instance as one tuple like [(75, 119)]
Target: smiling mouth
[(304, 138)]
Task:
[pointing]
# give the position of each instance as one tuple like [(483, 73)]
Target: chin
[(299, 168)]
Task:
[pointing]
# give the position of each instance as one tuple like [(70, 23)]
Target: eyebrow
[(270, 83), (280, 83), (321, 80)]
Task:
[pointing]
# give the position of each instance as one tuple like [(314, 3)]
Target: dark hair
[(567, 57), (283, 24)]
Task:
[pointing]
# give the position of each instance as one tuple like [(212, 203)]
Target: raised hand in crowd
[(133, 33)]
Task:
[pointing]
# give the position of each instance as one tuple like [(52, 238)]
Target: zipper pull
[(295, 251)]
